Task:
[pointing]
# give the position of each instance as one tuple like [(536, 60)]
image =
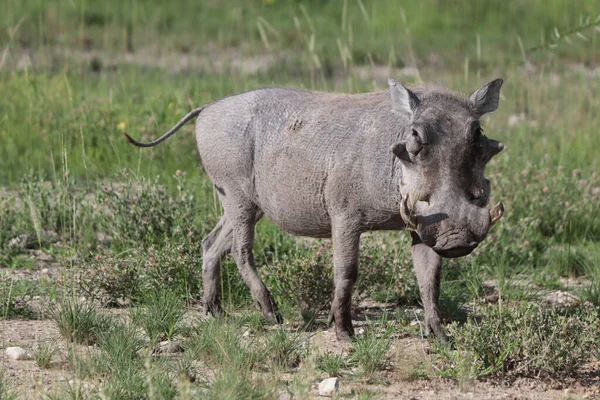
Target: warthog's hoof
[(344, 332), (444, 339), (434, 326), (274, 317), (344, 336), (214, 309)]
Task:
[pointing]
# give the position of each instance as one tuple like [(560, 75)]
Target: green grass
[(43, 354), (370, 26), (125, 225), (5, 391), (229, 385), (219, 344), (160, 315), (120, 345), (78, 322), (71, 391), (285, 350), (369, 350), (331, 364)]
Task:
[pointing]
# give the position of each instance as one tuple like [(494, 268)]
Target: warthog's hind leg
[(215, 245), (243, 222)]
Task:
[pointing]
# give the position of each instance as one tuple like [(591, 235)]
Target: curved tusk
[(407, 214), (496, 213)]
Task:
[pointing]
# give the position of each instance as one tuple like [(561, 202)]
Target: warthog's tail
[(174, 129)]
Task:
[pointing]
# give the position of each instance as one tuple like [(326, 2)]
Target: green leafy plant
[(232, 385), (385, 270), (527, 340), (143, 211), (304, 276), (112, 279)]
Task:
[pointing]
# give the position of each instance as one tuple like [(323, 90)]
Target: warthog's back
[(298, 155)]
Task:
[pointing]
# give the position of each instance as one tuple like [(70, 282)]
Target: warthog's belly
[(290, 182), (296, 202)]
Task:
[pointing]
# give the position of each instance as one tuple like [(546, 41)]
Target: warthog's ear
[(403, 100), (485, 99)]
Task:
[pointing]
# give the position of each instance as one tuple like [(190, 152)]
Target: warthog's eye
[(415, 142), (476, 132), (477, 196)]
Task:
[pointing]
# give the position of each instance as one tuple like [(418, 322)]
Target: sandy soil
[(31, 382)]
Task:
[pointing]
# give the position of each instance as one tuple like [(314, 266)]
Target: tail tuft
[(132, 141)]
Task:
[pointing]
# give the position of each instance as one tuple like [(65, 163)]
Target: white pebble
[(17, 353), (167, 347), (328, 387)]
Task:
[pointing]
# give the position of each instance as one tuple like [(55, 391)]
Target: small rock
[(168, 347), (328, 387), (246, 333), (17, 353), (104, 240), (44, 257), (19, 241), (561, 299)]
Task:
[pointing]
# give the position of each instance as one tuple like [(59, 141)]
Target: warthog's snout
[(451, 229)]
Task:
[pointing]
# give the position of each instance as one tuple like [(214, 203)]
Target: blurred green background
[(75, 73)]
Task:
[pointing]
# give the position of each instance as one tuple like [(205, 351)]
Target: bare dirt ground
[(32, 382)]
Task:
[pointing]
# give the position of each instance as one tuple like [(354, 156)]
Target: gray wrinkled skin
[(338, 165)]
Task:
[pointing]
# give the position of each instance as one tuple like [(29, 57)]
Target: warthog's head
[(443, 154)]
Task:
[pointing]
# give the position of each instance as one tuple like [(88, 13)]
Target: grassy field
[(100, 242)]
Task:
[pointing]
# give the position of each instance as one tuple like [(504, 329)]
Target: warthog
[(337, 165)]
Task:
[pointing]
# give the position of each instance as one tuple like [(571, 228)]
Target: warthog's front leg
[(345, 272), (428, 267)]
